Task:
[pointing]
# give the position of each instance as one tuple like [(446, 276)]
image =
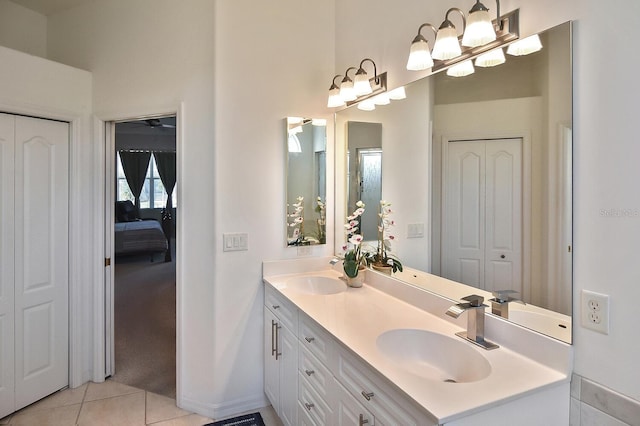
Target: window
[(155, 198)]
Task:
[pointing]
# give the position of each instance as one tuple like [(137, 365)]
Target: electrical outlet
[(595, 311)]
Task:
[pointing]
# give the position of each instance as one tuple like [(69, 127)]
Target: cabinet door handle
[(309, 372), (367, 395), (273, 338), (278, 353), (309, 339), (308, 406), (276, 306), (362, 421)]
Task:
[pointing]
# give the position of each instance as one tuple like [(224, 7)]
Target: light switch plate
[(415, 230), (235, 242)]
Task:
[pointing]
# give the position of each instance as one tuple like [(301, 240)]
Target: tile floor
[(112, 403)]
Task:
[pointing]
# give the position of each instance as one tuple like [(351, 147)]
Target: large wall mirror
[(478, 169), (306, 148)]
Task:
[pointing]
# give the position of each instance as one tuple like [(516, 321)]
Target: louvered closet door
[(6, 265), (41, 258)]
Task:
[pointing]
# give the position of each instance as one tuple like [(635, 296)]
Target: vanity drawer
[(387, 404), (304, 418), (315, 406), (286, 312), (348, 411), (316, 374), (316, 339)]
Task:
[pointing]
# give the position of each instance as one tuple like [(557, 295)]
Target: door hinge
[(107, 261), (569, 249)]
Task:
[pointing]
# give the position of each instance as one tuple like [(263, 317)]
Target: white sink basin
[(434, 356), (316, 285)]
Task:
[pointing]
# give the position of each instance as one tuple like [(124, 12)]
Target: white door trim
[(525, 135), (105, 152), (77, 252)]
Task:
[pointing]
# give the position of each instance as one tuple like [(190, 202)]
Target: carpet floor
[(145, 324)]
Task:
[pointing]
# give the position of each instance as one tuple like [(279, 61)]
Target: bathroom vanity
[(387, 354)]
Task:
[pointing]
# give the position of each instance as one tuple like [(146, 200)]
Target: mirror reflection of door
[(370, 189), (482, 214)]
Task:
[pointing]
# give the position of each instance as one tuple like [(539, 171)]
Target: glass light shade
[(335, 100), (447, 45), (366, 105), (462, 69), (381, 99), (295, 129), (361, 85), (491, 58), (347, 92), (419, 56), (479, 29), (294, 120), (525, 46), (318, 121), (398, 94), (294, 143)]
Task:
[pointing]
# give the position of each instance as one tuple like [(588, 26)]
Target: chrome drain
[(450, 381)]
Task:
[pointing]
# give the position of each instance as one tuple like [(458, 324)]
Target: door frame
[(525, 135), (79, 250), (103, 304)]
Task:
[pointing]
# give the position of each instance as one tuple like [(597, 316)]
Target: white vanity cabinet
[(281, 356)]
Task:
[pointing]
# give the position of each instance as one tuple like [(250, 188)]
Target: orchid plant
[(354, 256), (382, 255), (321, 208), (295, 219)]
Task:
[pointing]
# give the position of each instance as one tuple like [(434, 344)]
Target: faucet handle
[(474, 300), (502, 296)]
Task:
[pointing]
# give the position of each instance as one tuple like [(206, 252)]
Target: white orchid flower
[(359, 212), (359, 203), (356, 239)]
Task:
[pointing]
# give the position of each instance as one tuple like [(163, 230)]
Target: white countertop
[(358, 316)]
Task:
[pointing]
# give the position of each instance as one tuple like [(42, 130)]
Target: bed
[(137, 236)]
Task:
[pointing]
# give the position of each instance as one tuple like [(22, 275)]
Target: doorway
[(142, 241), (482, 213)]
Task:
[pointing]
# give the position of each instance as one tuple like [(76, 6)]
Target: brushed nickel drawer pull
[(309, 372), (367, 395), (308, 406), (276, 306), (309, 339), (362, 421)]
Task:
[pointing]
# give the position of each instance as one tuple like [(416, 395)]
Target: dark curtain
[(166, 164), (135, 166)]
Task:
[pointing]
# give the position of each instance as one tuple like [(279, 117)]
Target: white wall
[(605, 151), (240, 67), (23, 29)]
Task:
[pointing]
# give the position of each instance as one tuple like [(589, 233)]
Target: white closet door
[(464, 213), (41, 251), (504, 215), (7, 401)]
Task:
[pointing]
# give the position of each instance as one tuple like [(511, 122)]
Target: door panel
[(6, 265), (41, 248)]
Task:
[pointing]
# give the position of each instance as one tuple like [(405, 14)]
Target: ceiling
[(49, 7)]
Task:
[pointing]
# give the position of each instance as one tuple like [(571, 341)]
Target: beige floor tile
[(162, 408), (60, 399), (190, 420), (270, 417), (5, 420), (59, 416), (108, 389), (126, 410)]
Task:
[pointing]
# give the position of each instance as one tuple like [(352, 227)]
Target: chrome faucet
[(475, 320), (500, 302)]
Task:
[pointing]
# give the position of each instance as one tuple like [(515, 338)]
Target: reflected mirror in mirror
[(306, 142), (478, 169)]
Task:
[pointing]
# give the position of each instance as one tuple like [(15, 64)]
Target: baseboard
[(226, 408)]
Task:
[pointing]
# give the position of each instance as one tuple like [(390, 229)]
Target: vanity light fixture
[(335, 100), (491, 59), (347, 91), (420, 55), (398, 94), (525, 46), (318, 121), (480, 29), (447, 45), (362, 85), (381, 99), (367, 105), (462, 69)]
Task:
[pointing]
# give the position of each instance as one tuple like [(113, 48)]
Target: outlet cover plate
[(595, 311)]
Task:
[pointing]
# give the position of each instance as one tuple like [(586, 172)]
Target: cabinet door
[(271, 370), (288, 359), (348, 411), (7, 400)]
